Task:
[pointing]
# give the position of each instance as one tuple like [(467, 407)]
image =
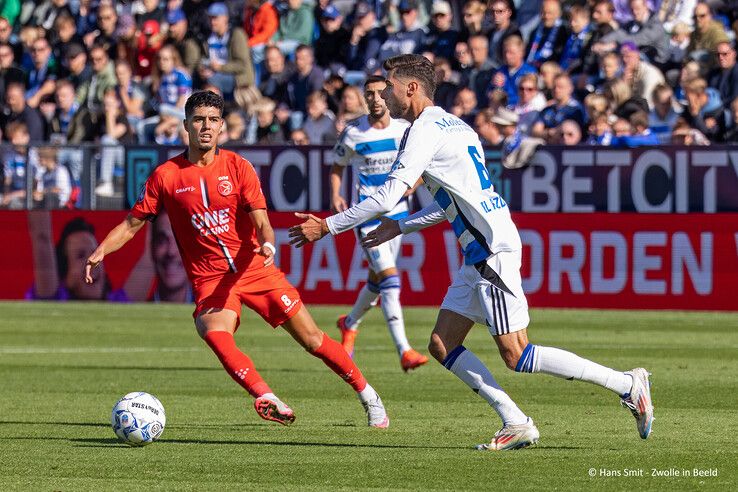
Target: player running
[(369, 143), (487, 289), (218, 213)]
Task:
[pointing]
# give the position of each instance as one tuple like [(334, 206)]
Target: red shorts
[(265, 290)]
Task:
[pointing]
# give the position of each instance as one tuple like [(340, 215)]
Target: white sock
[(367, 394), (393, 316), (563, 364), (364, 301), (467, 367)]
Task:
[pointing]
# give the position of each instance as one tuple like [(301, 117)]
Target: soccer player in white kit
[(447, 153), (369, 144)]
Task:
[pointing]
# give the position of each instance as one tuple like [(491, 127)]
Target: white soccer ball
[(138, 419)]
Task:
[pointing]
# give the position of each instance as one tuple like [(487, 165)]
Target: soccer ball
[(138, 419)]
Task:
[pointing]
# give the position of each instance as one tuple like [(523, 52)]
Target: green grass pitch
[(63, 366)]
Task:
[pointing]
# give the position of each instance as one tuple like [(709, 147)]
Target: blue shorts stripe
[(390, 282), (448, 362)]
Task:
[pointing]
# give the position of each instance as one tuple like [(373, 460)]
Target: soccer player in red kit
[(218, 213)]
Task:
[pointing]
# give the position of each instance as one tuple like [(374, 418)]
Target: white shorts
[(490, 294), (384, 256)]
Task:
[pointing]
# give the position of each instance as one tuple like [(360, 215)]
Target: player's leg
[(349, 324), (303, 329), (508, 311), (216, 327)]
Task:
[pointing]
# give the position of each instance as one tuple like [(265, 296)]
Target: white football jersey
[(448, 155), (371, 151)]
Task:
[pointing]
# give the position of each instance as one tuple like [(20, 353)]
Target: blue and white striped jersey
[(448, 155), (371, 151)]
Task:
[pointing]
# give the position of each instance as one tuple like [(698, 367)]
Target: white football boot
[(638, 401), (513, 436)]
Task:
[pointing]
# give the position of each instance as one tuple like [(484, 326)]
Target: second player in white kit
[(369, 145), (487, 289)]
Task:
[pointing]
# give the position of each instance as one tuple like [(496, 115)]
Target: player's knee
[(511, 356), (389, 282)]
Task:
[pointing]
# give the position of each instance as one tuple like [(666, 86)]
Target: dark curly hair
[(199, 99), (415, 67)]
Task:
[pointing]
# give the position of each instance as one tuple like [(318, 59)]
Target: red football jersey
[(208, 208)]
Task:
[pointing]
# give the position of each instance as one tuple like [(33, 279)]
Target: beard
[(378, 115)]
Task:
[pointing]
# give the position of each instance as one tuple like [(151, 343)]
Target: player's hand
[(309, 231), (93, 262), (267, 253), (338, 204), (387, 229)]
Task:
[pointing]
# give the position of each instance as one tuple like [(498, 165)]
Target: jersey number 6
[(482, 171)]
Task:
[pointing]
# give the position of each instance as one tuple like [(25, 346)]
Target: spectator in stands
[(54, 183), (235, 128), (9, 71), (678, 44), (132, 94), (477, 77), (169, 129), (170, 81), (151, 11), (186, 44), (104, 34), (548, 40), (260, 21), (473, 17), (683, 134), (548, 72), (508, 76), (622, 102), (704, 109), (442, 37), (197, 18), (446, 83), (112, 131), (410, 38), (90, 94), (611, 68), (641, 133), (16, 109), (640, 74), (465, 106), (9, 10), (489, 132), (645, 30), (595, 104), (296, 26), (665, 113), (66, 107), (331, 48), (352, 104), (563, 107), (530, 102), (578, 43), (16, 162), (307, 79), (80, 71), (731, 132), (708, 32), (45, 13), (148, 44), (41, 80), (600, 132), (503, 27), (299, 137), (227, 59), (672, 12), (268, 131), (725, 76), (367, 37), (320, 122), (569, 133), (61, 38)]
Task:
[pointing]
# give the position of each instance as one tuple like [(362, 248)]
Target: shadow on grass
[(56, 367)]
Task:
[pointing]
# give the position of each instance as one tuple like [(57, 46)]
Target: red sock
[(334, 355), (237, 364)]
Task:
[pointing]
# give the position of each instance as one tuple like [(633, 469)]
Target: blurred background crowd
[(601, 72)]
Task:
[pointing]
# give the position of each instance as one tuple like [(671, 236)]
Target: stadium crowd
[(603, 72)]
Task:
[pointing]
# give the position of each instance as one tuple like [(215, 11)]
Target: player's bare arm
[(311, 230), (338, 203), (116, 239), (264, 234)]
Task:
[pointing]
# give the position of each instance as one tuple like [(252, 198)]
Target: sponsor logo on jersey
[(212, 222), (186, 188), (225, 187), (222, 178)]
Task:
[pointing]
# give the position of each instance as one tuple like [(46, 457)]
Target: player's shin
[(390, 294), (334, 356), (364, 301), (237, 364), (472, 371), (563, 364)]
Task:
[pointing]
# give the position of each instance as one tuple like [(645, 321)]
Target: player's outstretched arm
[(264, 234), (389, 229), (116, 238)]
